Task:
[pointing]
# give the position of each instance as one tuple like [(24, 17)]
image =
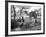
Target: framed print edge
[(6, 18)]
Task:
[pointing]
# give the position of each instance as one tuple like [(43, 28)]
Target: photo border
[(6, 18)]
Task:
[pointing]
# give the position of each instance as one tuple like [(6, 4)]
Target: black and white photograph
[(25, 18)]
